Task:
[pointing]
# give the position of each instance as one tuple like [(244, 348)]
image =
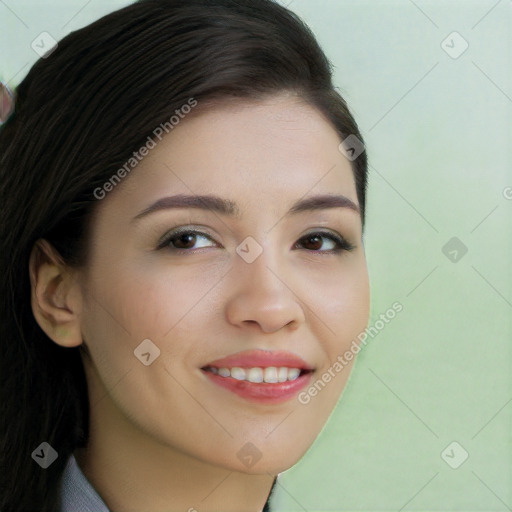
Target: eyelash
[(342, 244)]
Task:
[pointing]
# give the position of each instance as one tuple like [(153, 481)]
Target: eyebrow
[(231, 209)]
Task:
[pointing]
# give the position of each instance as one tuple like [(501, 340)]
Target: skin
[(163, 437)]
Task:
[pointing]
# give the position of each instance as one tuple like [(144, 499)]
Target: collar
[(77, 493)]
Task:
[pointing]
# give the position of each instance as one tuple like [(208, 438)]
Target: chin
[(252, 461), (267, 468)]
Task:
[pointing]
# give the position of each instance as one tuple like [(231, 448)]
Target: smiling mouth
[(258, 375), (261, 376), (270, 385)]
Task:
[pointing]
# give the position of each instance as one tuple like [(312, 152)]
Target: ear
[(55, 295)]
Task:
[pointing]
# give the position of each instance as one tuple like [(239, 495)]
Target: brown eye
[(183, 240), (313, 242)]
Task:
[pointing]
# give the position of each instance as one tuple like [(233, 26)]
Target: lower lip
[(274, 393)]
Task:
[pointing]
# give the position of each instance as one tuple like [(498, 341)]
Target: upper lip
[(262, 359)]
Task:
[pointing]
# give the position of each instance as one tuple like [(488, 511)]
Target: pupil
[(188, 238), (315, 237)]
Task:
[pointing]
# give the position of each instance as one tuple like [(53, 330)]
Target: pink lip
[(261, 359), (260, 392), (266, 393)]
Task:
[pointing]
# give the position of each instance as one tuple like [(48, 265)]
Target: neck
[(132, 471)]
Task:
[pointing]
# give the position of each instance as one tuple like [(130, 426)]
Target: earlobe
[(55, 295)]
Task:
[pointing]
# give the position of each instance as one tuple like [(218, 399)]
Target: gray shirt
[(77, 494)]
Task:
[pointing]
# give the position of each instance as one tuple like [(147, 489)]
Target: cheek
[(341, 299), (167, 304), (146, 300), (342, 317)]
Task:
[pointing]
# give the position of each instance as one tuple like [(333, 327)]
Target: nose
[(263, 295)]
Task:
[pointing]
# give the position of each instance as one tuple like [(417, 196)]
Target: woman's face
[(262, 279)]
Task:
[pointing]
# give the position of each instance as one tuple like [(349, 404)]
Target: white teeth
[(254, 375), (238, 373), (269, 375), (282, 375), (293, 373), (224, 372)]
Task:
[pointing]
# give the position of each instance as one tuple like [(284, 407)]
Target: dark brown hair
[(80, 114)]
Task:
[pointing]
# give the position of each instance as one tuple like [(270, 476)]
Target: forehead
[(274, 150)]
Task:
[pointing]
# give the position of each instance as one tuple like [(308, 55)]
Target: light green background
[(438, 135)]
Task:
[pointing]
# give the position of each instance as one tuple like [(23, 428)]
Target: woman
[(183, 197)]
